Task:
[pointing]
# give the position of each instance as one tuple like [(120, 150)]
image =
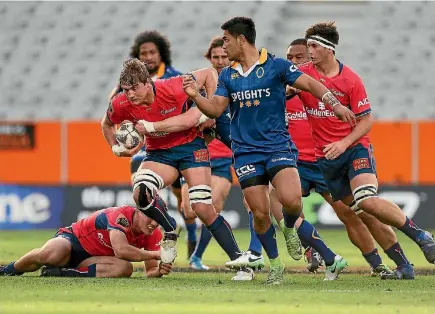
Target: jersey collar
[(160, 72), (263, 58)]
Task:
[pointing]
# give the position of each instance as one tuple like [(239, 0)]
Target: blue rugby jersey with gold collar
[(257, 103)]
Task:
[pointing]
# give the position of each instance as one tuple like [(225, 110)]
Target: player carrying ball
[(169, 151)]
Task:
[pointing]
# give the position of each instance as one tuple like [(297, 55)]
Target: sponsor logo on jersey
[(122, 221), (363, 102), (300, 115), (234, 75), (101, 238), (361, 163), (201, 155), (336, 93), (293, 68), (165, 112), (158, 134), (282, 159), (260, 72), (245, 170), (251, 94), (322, 112)]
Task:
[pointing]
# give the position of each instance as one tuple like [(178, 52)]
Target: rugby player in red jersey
[(168, 152), (311, 178), (344, 152), (101, 245), (154, 49)]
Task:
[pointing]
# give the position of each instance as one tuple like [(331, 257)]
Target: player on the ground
[(168, 152), (253, 87), (344, 152), (311, 178), (101, 245), (154, 49)]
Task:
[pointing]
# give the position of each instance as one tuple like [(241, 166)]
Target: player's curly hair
[(327, 30), (241, 25), (158, 39), (215, 43), (133, 72)]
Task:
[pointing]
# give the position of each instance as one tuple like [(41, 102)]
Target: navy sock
[(290, 219), (222, 232), (396, 253), (10, 269), (191, 232), (158, 212), (309, 235), (204, 240), (411, 229), (268, 240), (254, 245), (373, 258), (90, 271)]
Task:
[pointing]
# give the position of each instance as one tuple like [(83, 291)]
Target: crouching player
[(101, 245)]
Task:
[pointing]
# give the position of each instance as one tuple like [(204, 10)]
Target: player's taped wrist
[(202, 119), (329, 99), (149, 126), (118, 149)]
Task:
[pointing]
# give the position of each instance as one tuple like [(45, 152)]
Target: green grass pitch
[(189, 292)]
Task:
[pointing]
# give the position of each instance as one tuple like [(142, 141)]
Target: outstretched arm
[(206, 78), (318, 90), (123, 250), (156, 269), (213, 106)]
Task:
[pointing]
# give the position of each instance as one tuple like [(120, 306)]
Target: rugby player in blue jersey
[(254, 88)]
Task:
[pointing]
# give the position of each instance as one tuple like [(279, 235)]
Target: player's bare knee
[(347, 217), (205, 212), (368, 205), (118, 269), (292, 205), (126, 270), (261, 220)]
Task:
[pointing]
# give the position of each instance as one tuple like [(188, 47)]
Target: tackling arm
[(318, 90), (308, 84), (123, 250), (154, 269), (213, 107), (206, 78), (178, 123)]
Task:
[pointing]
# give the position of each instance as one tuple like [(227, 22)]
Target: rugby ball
[(127, 135)]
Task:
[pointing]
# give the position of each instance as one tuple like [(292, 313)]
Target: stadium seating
[(59, 60)]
